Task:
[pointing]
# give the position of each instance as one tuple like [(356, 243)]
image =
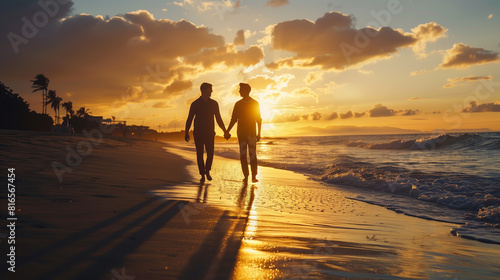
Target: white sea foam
[(458, 172)]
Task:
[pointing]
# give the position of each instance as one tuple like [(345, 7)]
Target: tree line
[(16, 114)]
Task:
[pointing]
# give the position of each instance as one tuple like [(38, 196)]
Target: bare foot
[(208, 176), (254, 179)]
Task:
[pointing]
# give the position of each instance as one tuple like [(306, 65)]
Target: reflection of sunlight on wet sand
[(299, 229)]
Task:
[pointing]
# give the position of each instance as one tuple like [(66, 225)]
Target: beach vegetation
[(41, 83), (15, 113)]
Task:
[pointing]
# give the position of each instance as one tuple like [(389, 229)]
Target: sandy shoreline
[(134, 208)]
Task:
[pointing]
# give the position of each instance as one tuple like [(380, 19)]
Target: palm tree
[(41, 83), (55, 102), (82, 112), (68, 106)]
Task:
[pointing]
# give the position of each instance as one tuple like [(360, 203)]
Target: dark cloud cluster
[(378, 110), (381, 111), (239, 40), (463, 56), (129, 57), (316, 116), (481, 107)]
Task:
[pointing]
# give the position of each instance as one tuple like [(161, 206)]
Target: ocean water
[(453, 178)]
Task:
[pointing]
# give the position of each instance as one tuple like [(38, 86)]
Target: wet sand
[(301, 229), (131, 208)]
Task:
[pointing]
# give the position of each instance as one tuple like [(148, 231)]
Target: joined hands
[(227, 135)]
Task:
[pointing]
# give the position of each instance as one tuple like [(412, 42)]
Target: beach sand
[(134, 208)]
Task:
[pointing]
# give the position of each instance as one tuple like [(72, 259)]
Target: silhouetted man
[(246, 113), (203, 110)]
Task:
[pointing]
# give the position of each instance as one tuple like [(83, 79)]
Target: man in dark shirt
[(246, 113), (203, 110)]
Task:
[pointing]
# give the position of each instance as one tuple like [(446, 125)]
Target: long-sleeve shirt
[(203, 113)]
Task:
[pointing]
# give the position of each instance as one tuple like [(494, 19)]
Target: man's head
[(206, 90), (245, 89)]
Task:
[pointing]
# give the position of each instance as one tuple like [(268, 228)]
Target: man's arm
[(219, 120), (233, 121), (188, 123), (259, 121), (259, 125)]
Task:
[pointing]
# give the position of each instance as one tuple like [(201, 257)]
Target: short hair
[(205, 86), (245, 87)]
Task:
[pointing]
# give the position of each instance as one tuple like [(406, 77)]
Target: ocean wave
[(480, 196), (432, 181), (463, 141)]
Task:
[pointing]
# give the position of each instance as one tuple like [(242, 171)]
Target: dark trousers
[(248, 143), (204, 142)]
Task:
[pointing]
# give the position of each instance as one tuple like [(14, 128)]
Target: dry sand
[(133, 209)]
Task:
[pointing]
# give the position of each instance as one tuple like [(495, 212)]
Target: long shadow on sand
[(218, 261), (81, 234), (114, 257)]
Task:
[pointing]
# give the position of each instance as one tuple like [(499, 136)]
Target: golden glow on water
[(251, 228), (299, 229)]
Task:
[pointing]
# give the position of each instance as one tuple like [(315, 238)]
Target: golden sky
[(328, 67)]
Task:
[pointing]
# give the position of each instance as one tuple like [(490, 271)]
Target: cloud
[(305, 91), (313, 77), (177, 124), (316, 116), (490, 16), (261, 82), (464, 56), (410, 112), (34, 16), (365, 72), (428, 32), (381, 111), (276, 3), (268, 83), (359, 115), (346, 115), (284, 118), (161, 105), (332, 116), (415, 98), (105, 60), (354, 130), (418, 72), (332, 42), (226, 55), (482, 107), (134, 94), (453, 82), (177, 87), (239, 40)]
